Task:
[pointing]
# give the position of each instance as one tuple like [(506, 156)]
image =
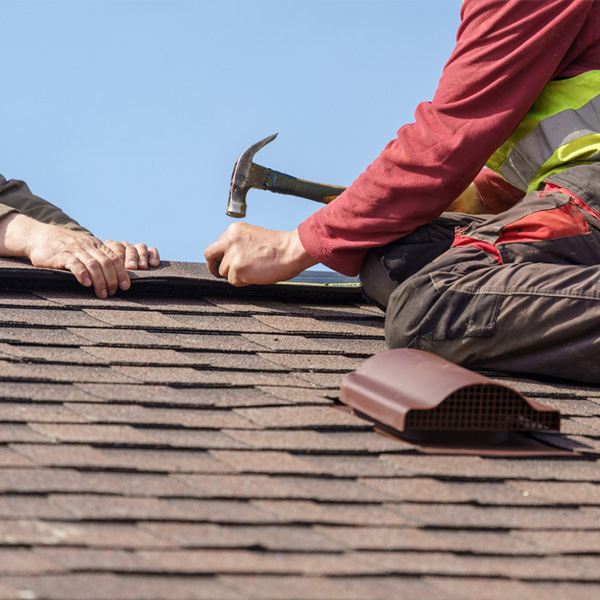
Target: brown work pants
[(517, 292)]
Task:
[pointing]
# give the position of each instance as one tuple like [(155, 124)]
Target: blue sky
[(130, 114)]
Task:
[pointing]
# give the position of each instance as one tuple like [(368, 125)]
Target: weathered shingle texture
[(191, 447)]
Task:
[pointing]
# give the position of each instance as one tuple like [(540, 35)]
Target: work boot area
[(186, 440)]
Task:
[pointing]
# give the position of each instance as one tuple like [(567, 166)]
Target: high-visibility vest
[(561, 130)]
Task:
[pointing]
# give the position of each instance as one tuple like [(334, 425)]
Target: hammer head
[(245, 175)]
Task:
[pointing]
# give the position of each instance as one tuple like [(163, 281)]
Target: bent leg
[(538, 318), (386, 267)]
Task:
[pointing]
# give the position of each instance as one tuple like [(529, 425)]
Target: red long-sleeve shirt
[(505, 53)]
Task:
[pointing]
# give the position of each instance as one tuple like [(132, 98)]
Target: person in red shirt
[(519, 93)]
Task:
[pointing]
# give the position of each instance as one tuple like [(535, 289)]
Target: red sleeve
[(497, 195), (505, 54)]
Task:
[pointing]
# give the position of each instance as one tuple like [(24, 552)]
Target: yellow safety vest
[(561, 130)]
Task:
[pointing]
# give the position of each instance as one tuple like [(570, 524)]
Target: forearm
[(15, 196), (12, 238)]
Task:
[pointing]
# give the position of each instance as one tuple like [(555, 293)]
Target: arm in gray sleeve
[(15, 196)]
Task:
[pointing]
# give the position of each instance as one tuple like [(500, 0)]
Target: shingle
[(92, 535), (323, 380), (104, 507), (70, 480), (42, 392), (13, 298), (8, 592), (233, 360), (131, 318), (438, 563), (17, 432), (417, 489), (448, 515), (61, 373), (174, 304), (162, 395), (124, 337), (9, 458), (281, 342), (188, 376), (500, 589), (25, 562), (474, 467), (272, 587), (221, 323), (348, 466), (303, 325), (336, 441), (233, 342), (426, 540), (39, 316), (262, 462), (354, 345), (348, 311), (559, 541), (591, 422), (306, 511), (90, 586), (19, 506), (135, 414), (300, 417), (492, 493), (134, 459), (195, 438), (23, 412), (296, 395), (573, 407), (243, 561), (575, 493), (40, 336), (270, 537), (68, 299), (53, 354), (138, 356), (94, 559), (317, 362), (269, 487), (99, 434)]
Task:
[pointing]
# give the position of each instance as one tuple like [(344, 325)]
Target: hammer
[(247, 175)]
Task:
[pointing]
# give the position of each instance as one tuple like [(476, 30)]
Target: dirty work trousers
[(517, 292)]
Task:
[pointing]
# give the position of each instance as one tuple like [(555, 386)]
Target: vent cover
[(410, 390)]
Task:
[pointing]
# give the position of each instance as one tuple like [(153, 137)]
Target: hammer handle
[(280, 183)]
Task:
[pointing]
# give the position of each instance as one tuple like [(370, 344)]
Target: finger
[(73, 264), (132, 257), (117, 247), (142, 253), (119, 268), (107, 271), (153, 257), (214, 255)]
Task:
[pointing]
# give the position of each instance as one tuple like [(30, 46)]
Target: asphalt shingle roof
[(183, 441)]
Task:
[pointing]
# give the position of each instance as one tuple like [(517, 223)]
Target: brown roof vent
[(418, 393)]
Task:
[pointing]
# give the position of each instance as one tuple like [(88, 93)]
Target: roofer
[(513, 286), (33, 228)]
